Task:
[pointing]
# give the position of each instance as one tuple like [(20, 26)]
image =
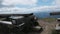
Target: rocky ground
[(47, 27)]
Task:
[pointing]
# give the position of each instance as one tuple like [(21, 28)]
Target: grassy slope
[(49, 19)]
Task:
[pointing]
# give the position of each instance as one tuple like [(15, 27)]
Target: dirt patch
[(47, 27)]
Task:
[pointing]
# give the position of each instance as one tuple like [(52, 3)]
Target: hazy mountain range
[(42, 14), (45, 15)]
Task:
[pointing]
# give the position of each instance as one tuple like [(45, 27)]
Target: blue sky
[(42, 2), (39, 3), (29, 5)]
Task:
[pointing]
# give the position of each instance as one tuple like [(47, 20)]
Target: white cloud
[(23, 2), (56, 7), (57, 2), (29, 10)]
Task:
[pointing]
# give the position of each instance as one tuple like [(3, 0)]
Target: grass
[(55, 32), (49, 19)]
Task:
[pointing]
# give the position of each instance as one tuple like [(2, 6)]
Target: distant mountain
[(45, 15), (39, 14)]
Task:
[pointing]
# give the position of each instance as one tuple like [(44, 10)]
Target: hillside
[(45, 15)]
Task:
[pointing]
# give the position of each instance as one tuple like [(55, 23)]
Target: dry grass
[(49, 19)]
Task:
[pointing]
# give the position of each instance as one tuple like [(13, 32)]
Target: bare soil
[(47, 27)]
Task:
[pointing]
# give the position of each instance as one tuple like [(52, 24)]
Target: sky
[(29, 5)]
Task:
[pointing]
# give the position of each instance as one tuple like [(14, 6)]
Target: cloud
[(57, 2), (22, 2), (54, 7), (29, 10)]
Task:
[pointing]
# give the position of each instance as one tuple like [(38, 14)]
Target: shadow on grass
[(55, 32)]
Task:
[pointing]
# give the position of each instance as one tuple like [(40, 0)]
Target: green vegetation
[(55, 32), (49, 19)]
